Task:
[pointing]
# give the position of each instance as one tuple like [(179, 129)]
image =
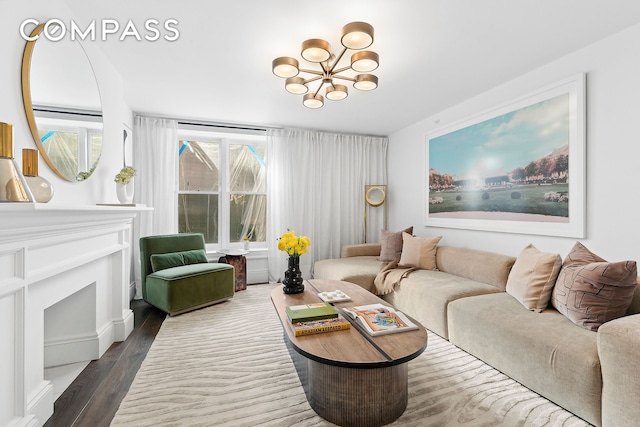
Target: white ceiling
[(433, 54)]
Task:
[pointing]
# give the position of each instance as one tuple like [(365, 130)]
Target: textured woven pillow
[(533, 276), (419, 252), (391, 244), (176, 259), (591, 291)]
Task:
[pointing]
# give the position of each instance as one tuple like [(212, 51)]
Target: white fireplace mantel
[(64, 296)]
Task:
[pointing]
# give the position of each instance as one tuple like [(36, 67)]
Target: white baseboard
[(71, 350), (92, 346), (39, 405), (122, 328)]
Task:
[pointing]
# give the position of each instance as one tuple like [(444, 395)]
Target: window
[(222, 188)]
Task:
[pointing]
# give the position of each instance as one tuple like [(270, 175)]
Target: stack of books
[(307, 319)]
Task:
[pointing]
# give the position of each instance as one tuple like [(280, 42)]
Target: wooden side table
[(237, 259)]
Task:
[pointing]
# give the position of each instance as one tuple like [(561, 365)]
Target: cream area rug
[(227, 365)]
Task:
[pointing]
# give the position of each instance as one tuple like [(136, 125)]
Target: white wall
[(99, 188), (613, 150)]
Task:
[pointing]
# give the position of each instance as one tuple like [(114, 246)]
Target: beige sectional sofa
[(594, 374)]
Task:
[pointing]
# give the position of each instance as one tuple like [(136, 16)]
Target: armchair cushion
[(183, 288), (176, 259)]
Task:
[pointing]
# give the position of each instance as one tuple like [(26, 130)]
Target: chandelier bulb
[(285, 66), (296, 85), (316, 50), (336, 92), (357, 35), (364, 61), (365, 82), (313, 101)]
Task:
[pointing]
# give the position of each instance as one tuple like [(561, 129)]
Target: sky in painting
[(499, 145)]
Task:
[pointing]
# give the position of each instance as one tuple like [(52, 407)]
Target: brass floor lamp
[(375, 196)]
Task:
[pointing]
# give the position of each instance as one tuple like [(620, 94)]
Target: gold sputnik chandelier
[(355, 36)]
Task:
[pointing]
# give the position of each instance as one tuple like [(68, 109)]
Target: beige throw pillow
[(533, 276), (391, 244), (419, 252)]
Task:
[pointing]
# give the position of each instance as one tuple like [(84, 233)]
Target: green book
[(309, 312)]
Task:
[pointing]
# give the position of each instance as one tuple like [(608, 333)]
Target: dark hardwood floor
[(93, 398)]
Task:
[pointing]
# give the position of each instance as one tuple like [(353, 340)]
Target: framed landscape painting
[(519, 168)]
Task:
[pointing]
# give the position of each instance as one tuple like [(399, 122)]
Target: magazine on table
[(379, 319)]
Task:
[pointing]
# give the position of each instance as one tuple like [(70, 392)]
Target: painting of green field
[(525, 199)]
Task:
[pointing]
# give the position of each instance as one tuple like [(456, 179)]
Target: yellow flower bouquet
[(293, 245)]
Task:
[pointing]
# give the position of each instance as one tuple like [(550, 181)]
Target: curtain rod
[(67, 110), (223, 126), (219, 125), (247, 127)]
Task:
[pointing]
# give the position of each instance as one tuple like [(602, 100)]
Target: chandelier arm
[(313, 79), (351, 79), (318, 91), (341, 70), (319, 73), (330, 71)]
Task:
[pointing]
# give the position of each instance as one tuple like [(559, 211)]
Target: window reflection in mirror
[(73, 142), (62, 105)]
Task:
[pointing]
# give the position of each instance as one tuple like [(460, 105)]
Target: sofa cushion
[(533, 276), (618, 348), (425, 294), (590, 291), (360, 249), (544, 351), (391, 244), (176, 259), (419, 252), (482, 266), (361, 270)]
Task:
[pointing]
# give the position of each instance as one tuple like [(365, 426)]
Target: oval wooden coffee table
[(349, 377)]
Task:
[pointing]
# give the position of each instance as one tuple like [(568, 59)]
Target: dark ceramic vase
[(293, 277)]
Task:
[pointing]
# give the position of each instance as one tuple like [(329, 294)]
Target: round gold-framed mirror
[(62, 103)]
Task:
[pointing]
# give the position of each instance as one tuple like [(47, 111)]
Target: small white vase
[(41, 188), (125, 192)]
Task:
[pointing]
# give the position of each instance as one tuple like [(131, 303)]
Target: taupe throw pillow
[(391, 244), (533, 276), (590, 291), (419, 252)]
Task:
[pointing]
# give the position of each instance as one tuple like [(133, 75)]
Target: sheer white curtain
[(316, 188), (155, 154)]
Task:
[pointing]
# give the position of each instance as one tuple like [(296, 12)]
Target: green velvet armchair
[(176, 276)]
